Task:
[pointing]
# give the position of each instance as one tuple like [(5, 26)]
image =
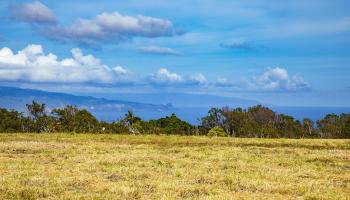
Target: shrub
[(217, 132)]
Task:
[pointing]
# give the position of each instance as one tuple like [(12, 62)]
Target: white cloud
[(273, 79), (120, 70), (198, 79), (112, 27), (33, 65), (164, 76), (34, 12), (160, 50), (278, 79)]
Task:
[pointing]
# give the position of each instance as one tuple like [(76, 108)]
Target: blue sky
[(277, 52)]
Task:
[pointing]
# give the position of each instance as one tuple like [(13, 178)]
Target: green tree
[(264, 119), (233, 121), (38, 117), (288, 127), (344, 121), (308, 126), (329, 126), (11, 121), (173, 125), (85, 122), (66, 118), (214, 118)]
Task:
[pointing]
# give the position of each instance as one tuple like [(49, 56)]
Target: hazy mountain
[(189, 107), (182, 99), (17, 98)]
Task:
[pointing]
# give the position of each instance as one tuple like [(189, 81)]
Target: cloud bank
[(111, 27), (105, 27), (32, 65)]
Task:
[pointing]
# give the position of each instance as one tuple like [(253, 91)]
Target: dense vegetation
[(257, 121)]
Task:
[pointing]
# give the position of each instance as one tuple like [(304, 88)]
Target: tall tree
[(130, 118), (308, 126), (329, 126), (345, 125), (38, 116), (213, 119), (66, 118)]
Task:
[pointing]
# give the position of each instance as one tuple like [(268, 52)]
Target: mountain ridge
[(16, 98), (189, 107)]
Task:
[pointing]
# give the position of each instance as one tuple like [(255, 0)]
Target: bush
[(217, 132)]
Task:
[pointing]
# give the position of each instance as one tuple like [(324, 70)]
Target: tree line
[(262, 122), (256, 121)]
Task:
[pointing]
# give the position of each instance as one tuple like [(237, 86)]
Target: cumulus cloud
[(120, 70), (160, 51), (278, 79), (164, 77), (273, 79), (34, 12), (112, 27), (199, 79), (33, 65)]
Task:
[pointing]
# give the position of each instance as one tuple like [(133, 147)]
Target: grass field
[(65, 166)]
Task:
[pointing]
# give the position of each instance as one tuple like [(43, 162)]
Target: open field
[(65, 166)]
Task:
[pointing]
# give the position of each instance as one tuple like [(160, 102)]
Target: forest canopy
[(257, 121)]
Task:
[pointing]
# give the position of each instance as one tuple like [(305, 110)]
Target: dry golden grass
[(66, 166)]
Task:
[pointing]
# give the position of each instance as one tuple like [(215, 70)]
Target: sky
[(293, 53)]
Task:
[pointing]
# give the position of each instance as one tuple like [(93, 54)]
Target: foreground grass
[(65, 166)]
